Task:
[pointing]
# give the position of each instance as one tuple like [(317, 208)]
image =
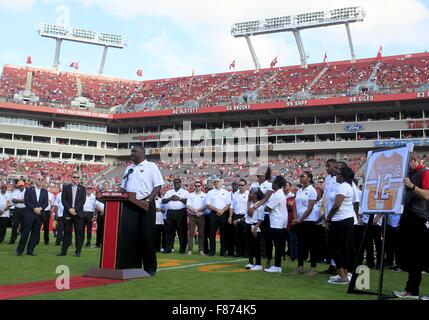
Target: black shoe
[(330, 270), (11, 242), (61, 254), (31, 254), (77, 254), (46, 243), (211, 254), (19, 254), (88, 245)]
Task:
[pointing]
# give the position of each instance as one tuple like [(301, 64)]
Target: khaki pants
[(199, 222)]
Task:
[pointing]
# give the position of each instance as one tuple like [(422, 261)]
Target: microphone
[(131, 170)]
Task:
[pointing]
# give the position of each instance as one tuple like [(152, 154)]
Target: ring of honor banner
[(384, 188)]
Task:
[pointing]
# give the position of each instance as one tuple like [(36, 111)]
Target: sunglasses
[(216, 181), (40, 179), (75, 177), (242, 185), (197, 185)]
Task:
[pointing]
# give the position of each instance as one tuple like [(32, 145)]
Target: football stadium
[(276, 134)]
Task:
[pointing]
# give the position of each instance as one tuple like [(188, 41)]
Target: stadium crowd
[(397, 74)]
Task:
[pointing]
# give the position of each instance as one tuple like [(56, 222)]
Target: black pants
[(254, 245), (176, 222), (46, 218), (306, 234), (87, 222), (392, 246), (70, 223), (413, 249), (322, 245), (100, 230), (230, 239), (241, 243), (60, 230), (267, 240), (147, 222), (206, 233), (159, 237), (373, 237), (30, 232), (4, 223), (16, 223), (277, 238), (217, 222), (341, 242)]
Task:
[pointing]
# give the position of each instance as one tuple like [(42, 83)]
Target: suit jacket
[(67, 200), (30, 199)]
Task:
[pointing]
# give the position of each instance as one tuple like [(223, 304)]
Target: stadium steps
[(79, 86), (320, 75), (374, 72), (138, 90), (201, 98), (267, 81), (110, 173), (28, 81)]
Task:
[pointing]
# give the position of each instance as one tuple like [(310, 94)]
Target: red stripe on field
[(42, 287), (111, 217)]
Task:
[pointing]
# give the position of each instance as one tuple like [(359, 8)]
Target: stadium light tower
[(60, 33), (296, 23)]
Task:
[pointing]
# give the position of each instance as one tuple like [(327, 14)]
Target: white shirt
[(145, 177), (90, 203), (393, 220), (316, 210), (60, 206), (278, 214), (258, 214), (159, 219), (302, 198), (218, 198), (264, 186), (37, 193), (176, 205), (197, 200), (239, 202), (19, 195), (357, 195), (100, 205), (346, 209), (330, 182), (51, 201), (3, 204)]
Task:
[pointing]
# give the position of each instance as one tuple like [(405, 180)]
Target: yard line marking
[(200, 264)]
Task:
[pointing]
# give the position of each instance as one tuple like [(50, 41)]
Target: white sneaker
[(274, 269), (349, 277), (189, 253), (249, 266), (257, 267), (338, 280), (404, 294), (162, 250), (426, 298)]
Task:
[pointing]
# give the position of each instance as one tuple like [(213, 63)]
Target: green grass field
[(199, 278)]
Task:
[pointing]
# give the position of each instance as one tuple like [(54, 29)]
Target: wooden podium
[(121, 256)]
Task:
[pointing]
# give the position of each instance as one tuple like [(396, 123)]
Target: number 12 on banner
[(384, 190)]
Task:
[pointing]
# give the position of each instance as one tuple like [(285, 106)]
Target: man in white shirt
[(5, 204), (196, 207), (218, 201), (89, 208), (175, 203), (237, 215), (145, 179), (100, 216), (60, 221), (18, 212), (46, 214)]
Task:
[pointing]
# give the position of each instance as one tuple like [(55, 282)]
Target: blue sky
[(168, 38)]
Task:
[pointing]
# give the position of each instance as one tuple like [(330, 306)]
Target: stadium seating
[(395, 74)]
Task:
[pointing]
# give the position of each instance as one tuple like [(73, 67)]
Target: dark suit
[(71, 221), (31, 222)]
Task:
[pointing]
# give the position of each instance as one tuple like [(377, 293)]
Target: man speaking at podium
[(144, 178)]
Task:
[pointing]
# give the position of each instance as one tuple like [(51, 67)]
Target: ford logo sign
[(353, 127)]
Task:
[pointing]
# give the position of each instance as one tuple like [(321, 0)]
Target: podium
[(121, 256)]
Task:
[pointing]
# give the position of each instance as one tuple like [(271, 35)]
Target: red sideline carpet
[(42, 287)]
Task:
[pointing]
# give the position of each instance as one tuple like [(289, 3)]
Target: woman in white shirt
[(276, 207), (305, 221), (253, 222), (340, 220)]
